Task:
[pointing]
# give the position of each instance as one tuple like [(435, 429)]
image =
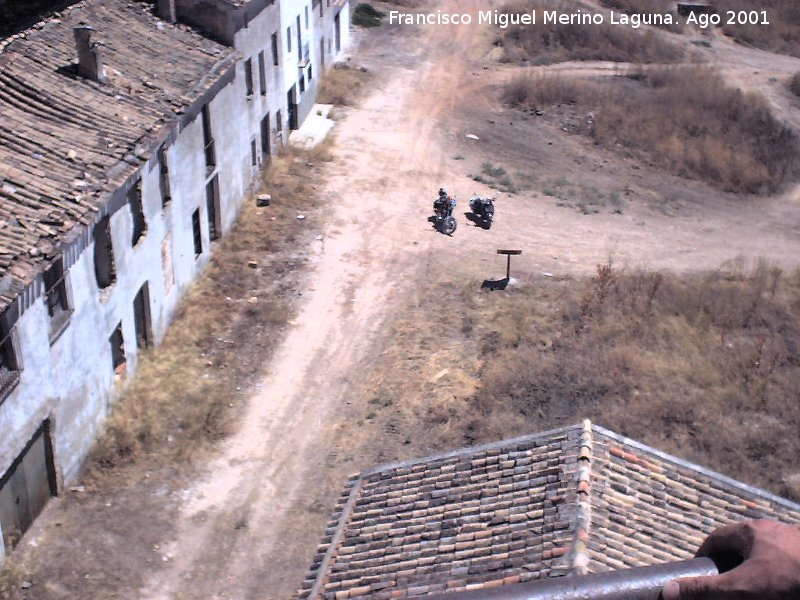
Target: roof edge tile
[(583, 509)]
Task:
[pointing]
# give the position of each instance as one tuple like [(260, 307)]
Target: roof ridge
[(468, 450), (583, 507)]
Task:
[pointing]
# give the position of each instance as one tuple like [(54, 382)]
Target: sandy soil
[(235, 531)]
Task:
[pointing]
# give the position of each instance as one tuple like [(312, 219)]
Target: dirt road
[(238, 533)]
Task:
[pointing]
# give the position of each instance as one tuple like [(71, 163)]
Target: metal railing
[(642, 583)]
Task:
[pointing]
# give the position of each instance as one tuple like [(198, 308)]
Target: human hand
[(757, 560)]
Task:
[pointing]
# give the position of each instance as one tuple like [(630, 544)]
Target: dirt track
[(235, 534)]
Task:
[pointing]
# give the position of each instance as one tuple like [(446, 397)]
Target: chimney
[(90, 58), (166, 10)]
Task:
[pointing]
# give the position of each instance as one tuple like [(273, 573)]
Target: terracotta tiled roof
[(66, 142), (564, 502)]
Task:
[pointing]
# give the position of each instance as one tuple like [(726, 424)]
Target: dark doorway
[(27, 486), (337, 33), (212, 205), (141, 317), (292, 105)]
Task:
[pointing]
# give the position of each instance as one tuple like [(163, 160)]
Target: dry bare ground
[(379, 358)]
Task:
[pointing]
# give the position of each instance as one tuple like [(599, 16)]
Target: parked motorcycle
[(483, 210), (443, 218)]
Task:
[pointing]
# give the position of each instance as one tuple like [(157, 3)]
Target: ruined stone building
[(560, 503), (129, 136)]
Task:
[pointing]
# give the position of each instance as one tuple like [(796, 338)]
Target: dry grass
[(342, 85), (682, 119), (794, 84), (630, 7), (184, 393), (547, 43), (12, 577), (781, 35), (705, 367)]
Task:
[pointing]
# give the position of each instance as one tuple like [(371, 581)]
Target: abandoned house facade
[(560, 503), (129, 136)]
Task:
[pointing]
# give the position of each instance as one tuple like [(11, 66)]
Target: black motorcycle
[(443, 218), (482, 210)]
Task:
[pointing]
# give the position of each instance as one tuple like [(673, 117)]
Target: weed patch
[(496, 177), (342, 85), (588, 200), (365, 15), (631, 7), (794, 84), (545, 43), (703, 366), (683, 119), (781, 34)]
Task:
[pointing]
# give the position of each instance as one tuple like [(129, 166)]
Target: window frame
[(248, 78), (60, 310), (10, 366)]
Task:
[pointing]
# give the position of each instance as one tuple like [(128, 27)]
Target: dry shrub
[(630, 7), (546, 43), (683, 119), (342, 85), (781, 35), (11, 578), (547, 89), (794, 84), (704, 366)]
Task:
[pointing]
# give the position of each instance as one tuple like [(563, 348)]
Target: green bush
[(365, 15)]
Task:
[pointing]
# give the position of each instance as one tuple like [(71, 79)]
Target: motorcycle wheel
[(449, 225)]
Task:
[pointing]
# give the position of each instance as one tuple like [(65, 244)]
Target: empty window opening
[(310, 72), (248, 76), (212, 204), (337, 32), (265, 141), (208, 140), (27, 486), (55, 285), (198, 240), (253, 153), (289, 38), (9, 368), (299, 37), (137, 210), (322, 52), (104, 269), (262, 74), (275, 49), (163, 176), (302, 81), (306, 17), (141, 317), (118, 362), (320, 7)]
